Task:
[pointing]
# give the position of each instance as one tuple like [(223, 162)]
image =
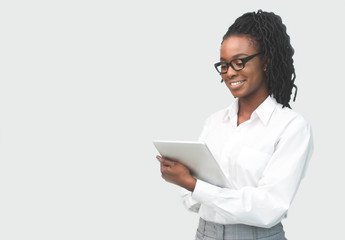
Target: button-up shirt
[(264, 158)]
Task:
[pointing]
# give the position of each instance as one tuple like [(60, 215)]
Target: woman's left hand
[(176, 173)]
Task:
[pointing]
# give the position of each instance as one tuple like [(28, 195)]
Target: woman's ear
[(266, 64)]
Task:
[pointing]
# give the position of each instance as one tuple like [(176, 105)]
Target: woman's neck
[(246, 107)]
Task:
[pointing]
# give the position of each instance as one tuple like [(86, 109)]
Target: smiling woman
[(262, 145)]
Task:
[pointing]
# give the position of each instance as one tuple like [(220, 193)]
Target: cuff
[(205, 192), (188, 201)]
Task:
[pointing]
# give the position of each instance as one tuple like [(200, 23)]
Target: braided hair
[(268, 30)]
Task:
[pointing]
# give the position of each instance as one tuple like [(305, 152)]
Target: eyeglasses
[(236, 64)]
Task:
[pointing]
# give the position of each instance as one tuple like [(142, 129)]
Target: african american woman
[(262, 146)]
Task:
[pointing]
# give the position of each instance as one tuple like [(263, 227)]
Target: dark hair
[(268, 30)]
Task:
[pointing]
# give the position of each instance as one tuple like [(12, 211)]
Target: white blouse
[(265, 159)]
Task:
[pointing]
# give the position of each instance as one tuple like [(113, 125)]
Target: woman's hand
[(176, 173)]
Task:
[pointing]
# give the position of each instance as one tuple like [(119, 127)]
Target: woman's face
[(248, 83)]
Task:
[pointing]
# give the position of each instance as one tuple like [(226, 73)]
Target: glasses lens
[(222, 67), (237, 64)]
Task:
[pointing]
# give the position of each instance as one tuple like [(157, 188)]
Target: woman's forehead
[(238, 44)]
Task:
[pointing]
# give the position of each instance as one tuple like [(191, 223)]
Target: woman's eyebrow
[(236, 56)]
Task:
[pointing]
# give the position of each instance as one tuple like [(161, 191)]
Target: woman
[(262, 145)]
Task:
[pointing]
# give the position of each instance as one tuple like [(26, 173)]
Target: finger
[(165, 170), (167, 162)]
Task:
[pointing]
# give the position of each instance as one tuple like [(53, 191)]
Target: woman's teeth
[(236, 83)]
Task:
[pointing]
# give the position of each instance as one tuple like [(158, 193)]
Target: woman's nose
[(229, 74)]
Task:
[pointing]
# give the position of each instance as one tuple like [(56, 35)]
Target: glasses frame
[(243, 60)]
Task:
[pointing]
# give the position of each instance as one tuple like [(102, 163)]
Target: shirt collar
[(264, 111), (231, 112)]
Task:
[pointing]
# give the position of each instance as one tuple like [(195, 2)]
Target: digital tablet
[(197, 157)]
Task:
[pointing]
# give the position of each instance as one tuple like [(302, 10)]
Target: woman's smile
[(236, 83)]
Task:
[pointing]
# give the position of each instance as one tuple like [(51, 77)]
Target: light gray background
[(87, 85)]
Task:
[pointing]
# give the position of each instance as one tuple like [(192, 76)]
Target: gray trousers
[(214, 231)]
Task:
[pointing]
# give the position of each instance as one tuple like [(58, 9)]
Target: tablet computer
[(197, 157)]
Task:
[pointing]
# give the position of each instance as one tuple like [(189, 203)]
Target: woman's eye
[(237, 63)]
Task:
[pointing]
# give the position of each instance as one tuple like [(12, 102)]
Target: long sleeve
[(267, 203), (188, 201)]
